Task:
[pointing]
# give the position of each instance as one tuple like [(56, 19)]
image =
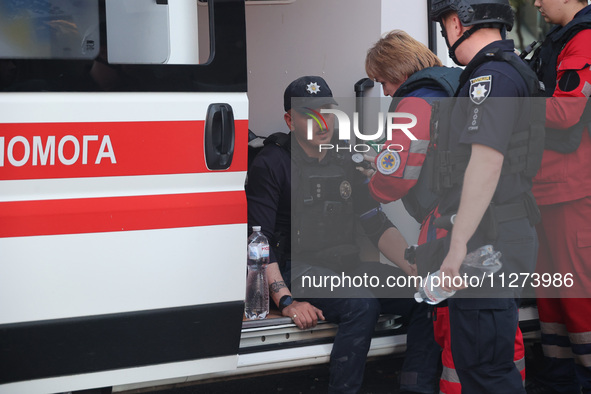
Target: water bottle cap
[(418, 297), (486, 250), (256, 228)]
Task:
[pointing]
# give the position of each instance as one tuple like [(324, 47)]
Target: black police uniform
[(331, 193), (483, 329)]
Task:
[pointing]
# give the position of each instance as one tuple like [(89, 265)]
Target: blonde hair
[(396, 56)]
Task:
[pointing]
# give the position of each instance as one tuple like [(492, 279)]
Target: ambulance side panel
[(123, 221)]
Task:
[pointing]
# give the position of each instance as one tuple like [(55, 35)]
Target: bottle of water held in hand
[(257, 286), (481, 263)]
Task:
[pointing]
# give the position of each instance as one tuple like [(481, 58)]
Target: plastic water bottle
[(482, 261), (432, 294), (257, 286)]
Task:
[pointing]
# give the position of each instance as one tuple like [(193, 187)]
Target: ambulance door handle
[(219, 136)]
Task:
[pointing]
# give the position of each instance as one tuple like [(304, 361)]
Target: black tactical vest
[(323, 221), (420, 200), (544, 63), (524, 153), (446, 78)]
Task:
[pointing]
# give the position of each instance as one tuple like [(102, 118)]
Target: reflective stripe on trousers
[(569, 340)]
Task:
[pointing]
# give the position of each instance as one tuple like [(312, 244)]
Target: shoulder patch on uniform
[(388, 162), (569, 81), (480, 88)]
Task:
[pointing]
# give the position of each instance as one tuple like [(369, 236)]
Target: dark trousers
[(421, 369), (482, 342), (357, 318), (483, 329)]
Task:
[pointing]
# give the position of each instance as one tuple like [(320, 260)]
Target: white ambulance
[(123, 154), (122, 210)]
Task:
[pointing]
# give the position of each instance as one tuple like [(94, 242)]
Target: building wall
[(317, 37)]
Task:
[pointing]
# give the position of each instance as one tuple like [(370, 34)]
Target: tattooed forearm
[(276, 286)]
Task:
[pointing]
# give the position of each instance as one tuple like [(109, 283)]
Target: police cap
[(309, 89)]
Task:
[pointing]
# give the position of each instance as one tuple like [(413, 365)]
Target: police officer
[(307, 201), (489, 194), (422, 79), (563, 191)]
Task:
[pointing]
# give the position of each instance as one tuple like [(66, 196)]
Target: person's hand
[(450, 269), (303, 314), (368, 167), (367, 172), (411, 270)]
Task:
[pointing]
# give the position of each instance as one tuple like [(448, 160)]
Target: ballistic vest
[(524, 153), (446, 78), (420, 200), (544, 64), (323, 220)]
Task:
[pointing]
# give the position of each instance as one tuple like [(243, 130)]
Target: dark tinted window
[(114, 45)]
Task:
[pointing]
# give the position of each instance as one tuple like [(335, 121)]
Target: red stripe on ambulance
[(93, 215), (75, 150)]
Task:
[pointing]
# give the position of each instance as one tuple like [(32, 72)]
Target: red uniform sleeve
[(400, 161), (573, 85)]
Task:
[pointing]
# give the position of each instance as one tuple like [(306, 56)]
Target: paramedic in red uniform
[(415, 82), (563, 190)]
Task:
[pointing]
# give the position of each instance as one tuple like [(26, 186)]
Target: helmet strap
[(464, 37)]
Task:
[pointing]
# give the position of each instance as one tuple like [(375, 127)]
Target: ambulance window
[(155, 32), (122, 45), (56, 29), (138, 31)]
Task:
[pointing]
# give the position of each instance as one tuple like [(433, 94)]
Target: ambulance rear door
[(123, 154)]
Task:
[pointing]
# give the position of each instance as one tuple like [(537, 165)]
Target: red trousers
[(565, 309)]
